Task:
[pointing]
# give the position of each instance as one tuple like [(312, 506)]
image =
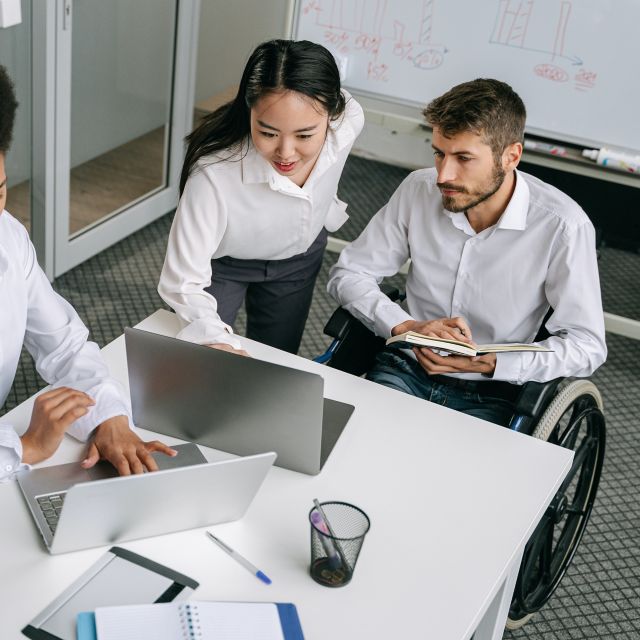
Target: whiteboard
[(575, 63)]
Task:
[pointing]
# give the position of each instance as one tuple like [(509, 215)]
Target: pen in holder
[(337, 533)]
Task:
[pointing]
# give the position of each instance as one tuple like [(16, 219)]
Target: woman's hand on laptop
[(113, 440), (53, 413), (223, 346)]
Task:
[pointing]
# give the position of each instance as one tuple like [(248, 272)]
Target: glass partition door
[(123, 104)]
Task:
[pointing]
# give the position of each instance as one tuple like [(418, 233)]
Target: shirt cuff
[(203, 332), (509, 367), (109, 403), (10, 453), (389, 317)]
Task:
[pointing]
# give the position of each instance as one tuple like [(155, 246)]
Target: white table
[(452, 502)]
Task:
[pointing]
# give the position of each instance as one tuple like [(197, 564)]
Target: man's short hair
[(8, 106), (489, 108)]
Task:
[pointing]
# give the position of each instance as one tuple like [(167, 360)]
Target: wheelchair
[(568, 413)]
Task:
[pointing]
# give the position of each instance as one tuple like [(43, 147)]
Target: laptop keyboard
[(51, 506)]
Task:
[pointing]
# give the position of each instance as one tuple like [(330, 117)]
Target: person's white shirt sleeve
[(56, 338), (379, 252), (194, 237), (10, 452), (577, 322)]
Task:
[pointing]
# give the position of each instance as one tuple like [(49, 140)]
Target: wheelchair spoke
[(546, 558), (563, 546), (573, 431), (587, 446), (579, 417), (534, 570)]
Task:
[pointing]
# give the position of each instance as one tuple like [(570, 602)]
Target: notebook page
[(237, 620), (142, 622)]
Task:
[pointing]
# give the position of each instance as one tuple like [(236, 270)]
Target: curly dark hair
[(8, 106)]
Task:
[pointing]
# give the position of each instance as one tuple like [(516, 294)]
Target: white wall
[(229, 31)]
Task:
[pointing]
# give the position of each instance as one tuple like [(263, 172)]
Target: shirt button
[(8, 468)]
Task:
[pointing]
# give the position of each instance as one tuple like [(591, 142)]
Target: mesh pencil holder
[(337, 535)]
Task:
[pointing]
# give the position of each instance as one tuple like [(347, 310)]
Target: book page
[(411, 338), (419, 337), (142, 622), (238, 620), (510, 346)]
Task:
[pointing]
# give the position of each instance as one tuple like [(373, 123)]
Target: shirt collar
[(256, 170), (515, 215)]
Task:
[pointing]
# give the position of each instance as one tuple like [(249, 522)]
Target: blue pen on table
[(238, 558)]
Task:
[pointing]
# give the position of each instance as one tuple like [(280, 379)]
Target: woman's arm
[(197, 230)]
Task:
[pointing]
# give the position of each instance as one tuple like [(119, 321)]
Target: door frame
[(52, 31)]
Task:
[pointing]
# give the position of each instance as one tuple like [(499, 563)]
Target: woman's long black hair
[(276, 65)]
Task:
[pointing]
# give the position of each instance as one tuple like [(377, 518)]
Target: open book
[(414, 339), (193, 620)]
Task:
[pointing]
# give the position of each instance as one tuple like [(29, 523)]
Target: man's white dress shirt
[(502, 280), (34, 314), (243, 208)]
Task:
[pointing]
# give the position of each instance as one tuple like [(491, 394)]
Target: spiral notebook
[(195, 620)]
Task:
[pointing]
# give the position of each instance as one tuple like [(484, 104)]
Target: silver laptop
[(76, 508), (231, 402)]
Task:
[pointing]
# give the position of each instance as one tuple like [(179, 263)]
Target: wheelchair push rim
[(578, 424)]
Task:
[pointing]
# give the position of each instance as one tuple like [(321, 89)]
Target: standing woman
[(258, 196)]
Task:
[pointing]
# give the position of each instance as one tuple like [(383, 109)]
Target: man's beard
[(449, 202)]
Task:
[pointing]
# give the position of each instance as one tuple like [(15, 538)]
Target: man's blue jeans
[(398, 370)]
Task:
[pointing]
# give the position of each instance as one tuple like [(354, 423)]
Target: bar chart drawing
[(512, 26)]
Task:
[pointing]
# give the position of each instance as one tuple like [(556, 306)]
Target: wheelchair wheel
[(574, 420)]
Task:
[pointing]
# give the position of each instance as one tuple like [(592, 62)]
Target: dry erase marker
[(239, 559), (614, 159), (545, 147)]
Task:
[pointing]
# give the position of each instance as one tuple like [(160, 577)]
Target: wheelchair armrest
[(354, 346), (338, 324), (535, 396)]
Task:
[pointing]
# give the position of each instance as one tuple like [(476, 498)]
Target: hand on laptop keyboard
[(114, 441)]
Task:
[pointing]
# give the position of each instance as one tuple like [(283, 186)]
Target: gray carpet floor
[(599, 596)]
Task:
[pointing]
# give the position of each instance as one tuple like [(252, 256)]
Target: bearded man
[(492, 250)]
